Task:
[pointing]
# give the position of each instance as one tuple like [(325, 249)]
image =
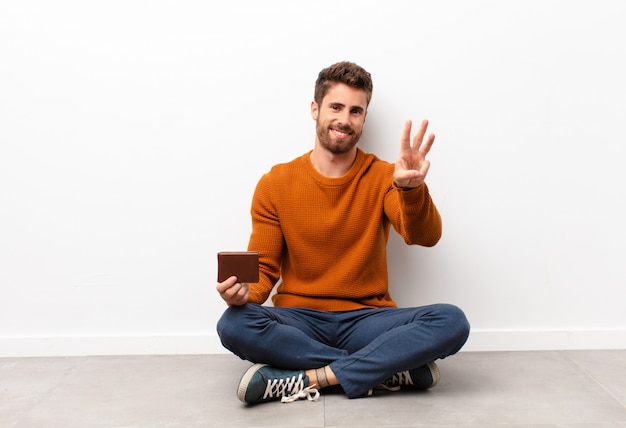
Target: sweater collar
[(338, 181)]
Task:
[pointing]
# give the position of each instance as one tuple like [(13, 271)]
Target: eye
[(334, 107), (356, 111)]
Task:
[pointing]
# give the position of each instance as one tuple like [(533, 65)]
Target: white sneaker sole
[(245, 381)]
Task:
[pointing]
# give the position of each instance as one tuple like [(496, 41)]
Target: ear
[(314, 110)]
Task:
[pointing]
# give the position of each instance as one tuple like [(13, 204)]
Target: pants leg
[(390, 340), (289, 338)]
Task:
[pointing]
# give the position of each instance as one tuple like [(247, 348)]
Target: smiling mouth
[(340, 134)]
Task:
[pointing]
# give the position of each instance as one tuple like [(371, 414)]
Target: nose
[(345, 118)]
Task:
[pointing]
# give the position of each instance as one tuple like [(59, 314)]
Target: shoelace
[(395, 382), (400, 378), (310, 393), (290, 390)]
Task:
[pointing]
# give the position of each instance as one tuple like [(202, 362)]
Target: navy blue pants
[(363, 347)]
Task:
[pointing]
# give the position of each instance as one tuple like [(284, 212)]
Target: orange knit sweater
[(327, 237)]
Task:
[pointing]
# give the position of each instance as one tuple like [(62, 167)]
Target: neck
[(332, 165)]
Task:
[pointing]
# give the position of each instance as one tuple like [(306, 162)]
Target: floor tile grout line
[(588, 373)]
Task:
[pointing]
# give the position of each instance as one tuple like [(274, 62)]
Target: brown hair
[(343, 72)]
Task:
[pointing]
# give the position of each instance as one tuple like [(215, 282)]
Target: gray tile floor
[(477, 389)]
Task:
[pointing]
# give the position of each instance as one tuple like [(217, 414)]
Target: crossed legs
[(356, 349)]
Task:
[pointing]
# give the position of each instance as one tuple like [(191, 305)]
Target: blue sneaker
[(423, 377), (261, 383)]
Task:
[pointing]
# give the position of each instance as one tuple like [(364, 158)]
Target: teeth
[(339, 132)]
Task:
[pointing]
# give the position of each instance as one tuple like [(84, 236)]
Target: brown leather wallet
[(242, 264)]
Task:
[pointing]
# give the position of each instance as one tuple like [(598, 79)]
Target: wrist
[(406, 188)]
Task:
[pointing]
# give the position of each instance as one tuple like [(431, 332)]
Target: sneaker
[(423, 377), (262, 383)]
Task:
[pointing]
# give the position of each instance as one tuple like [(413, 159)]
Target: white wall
[(132, 134)]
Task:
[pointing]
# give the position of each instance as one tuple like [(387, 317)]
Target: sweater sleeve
[(414, 215), (267, 239)]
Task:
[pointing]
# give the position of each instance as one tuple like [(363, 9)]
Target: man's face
[(340, 118)]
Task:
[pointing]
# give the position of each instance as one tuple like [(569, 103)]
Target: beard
[(335, 145)]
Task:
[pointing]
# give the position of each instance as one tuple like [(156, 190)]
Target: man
[(320, 223)]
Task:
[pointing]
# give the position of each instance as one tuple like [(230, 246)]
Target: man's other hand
[(234, 293)]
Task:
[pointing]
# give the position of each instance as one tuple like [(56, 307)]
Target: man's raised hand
[(412, 166)]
